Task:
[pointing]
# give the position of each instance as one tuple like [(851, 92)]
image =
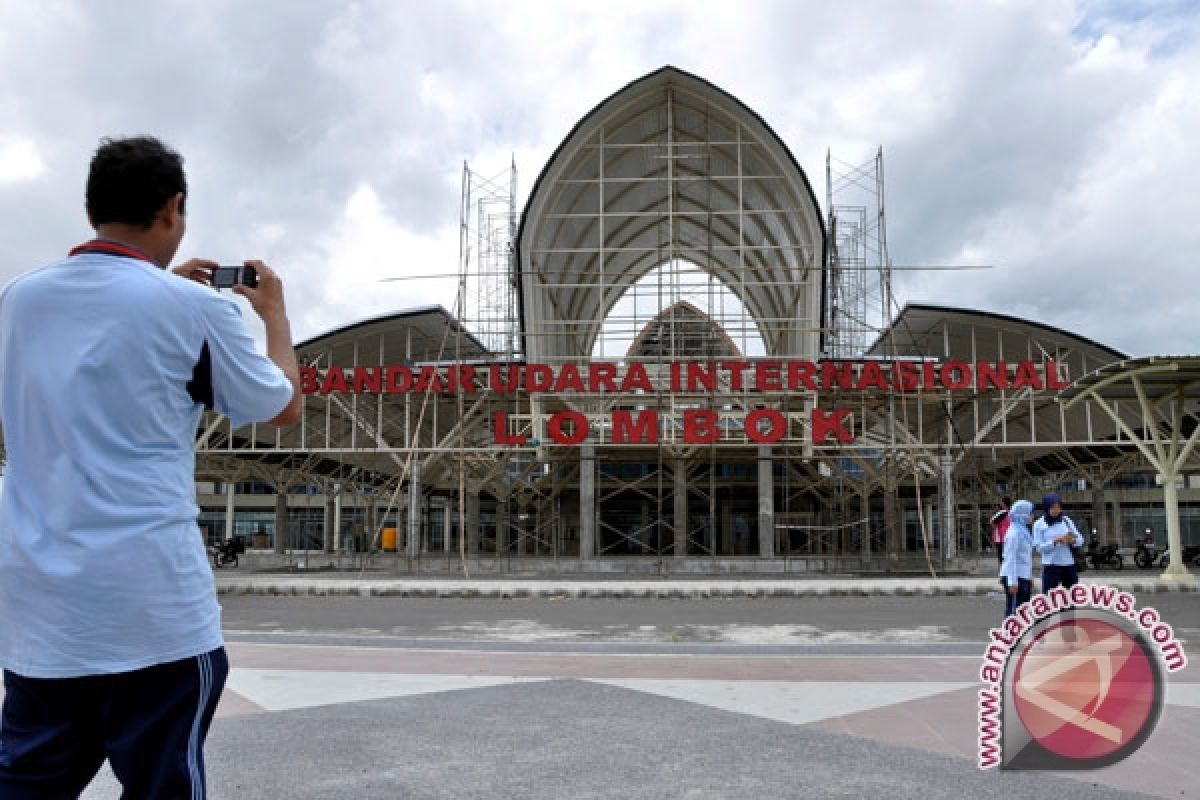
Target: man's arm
[(267, 301)]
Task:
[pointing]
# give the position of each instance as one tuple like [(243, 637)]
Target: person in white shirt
[(110, 632), (1054, 535), (1016, 569)]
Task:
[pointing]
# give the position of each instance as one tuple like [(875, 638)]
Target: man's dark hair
[(1006, 502), (130, 180)]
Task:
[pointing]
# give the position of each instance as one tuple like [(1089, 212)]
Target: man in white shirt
[(110, 633)]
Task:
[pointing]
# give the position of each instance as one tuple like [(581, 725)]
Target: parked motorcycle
[(225, 554), (1105, 555), (1146, 554), (1191, 555)]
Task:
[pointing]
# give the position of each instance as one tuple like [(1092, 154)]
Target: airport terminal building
[(675, 360)]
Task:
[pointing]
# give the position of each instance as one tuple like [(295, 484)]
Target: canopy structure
[(1165, 390), (1043, 430), (669, 172)]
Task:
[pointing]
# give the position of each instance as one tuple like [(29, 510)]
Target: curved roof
[(424, 333), (979, 419), (669, 166), (1157, 377), (922, 330)]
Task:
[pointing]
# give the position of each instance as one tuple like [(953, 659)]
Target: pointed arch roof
[(600, 215), (687, 322)]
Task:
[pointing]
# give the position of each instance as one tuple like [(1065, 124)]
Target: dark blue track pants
[(150, 724), (1054, 576), (1013, 601)]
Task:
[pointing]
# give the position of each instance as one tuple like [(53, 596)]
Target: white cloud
[(19, 160), (1051, 139), (361, 264)]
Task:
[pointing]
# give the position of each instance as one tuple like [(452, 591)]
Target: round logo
[(1087, 690)]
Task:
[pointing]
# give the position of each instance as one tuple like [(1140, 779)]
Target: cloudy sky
[(1056, 141)]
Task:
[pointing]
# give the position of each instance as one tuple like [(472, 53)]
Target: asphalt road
[(747, 621)]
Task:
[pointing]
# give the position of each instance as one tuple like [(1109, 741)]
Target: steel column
[(679, 475), (587, 502), (766, 503)]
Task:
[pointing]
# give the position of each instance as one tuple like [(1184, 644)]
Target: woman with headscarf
[(1054, 535), (1016, 569)]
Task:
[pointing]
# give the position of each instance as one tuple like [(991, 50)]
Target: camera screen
[(225, 277)]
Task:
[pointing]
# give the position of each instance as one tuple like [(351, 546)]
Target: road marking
[(891, 655), (289, 689), (794, 702)]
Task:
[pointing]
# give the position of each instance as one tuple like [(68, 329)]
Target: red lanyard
[(107, 248)]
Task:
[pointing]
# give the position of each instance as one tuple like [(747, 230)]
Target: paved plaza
[(634, 698)]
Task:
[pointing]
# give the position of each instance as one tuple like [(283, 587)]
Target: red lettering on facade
[(309, 380), (461, 378), (568, 379), (956, 375), (837, 373), (568, 427), (766, 376), (735, 373), (701, 376), (1053, 382), (801, 374), (929, 374), (538, 377), (830, 423), (700, 426), (429, 381), (1027, 377), (871, 375), (991, 375), (904, 376), (601, 377), (636, 378), (776, 425), (504, 380), (625, 430), (368, 379), (500, 431), (335, 381), (397, 380)]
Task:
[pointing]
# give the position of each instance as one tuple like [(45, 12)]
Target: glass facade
[(1136, 520)]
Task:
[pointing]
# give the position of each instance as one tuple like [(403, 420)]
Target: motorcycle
[(225, 554), (1105, 555), (1191, 555), (1146, 554)]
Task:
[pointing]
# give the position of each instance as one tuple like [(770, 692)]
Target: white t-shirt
[(102, 568)]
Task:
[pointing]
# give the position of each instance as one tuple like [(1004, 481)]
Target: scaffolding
[(859, 300), (487, 301), (673, 226)]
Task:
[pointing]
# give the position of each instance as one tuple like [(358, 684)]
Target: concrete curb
[(677, 590)]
